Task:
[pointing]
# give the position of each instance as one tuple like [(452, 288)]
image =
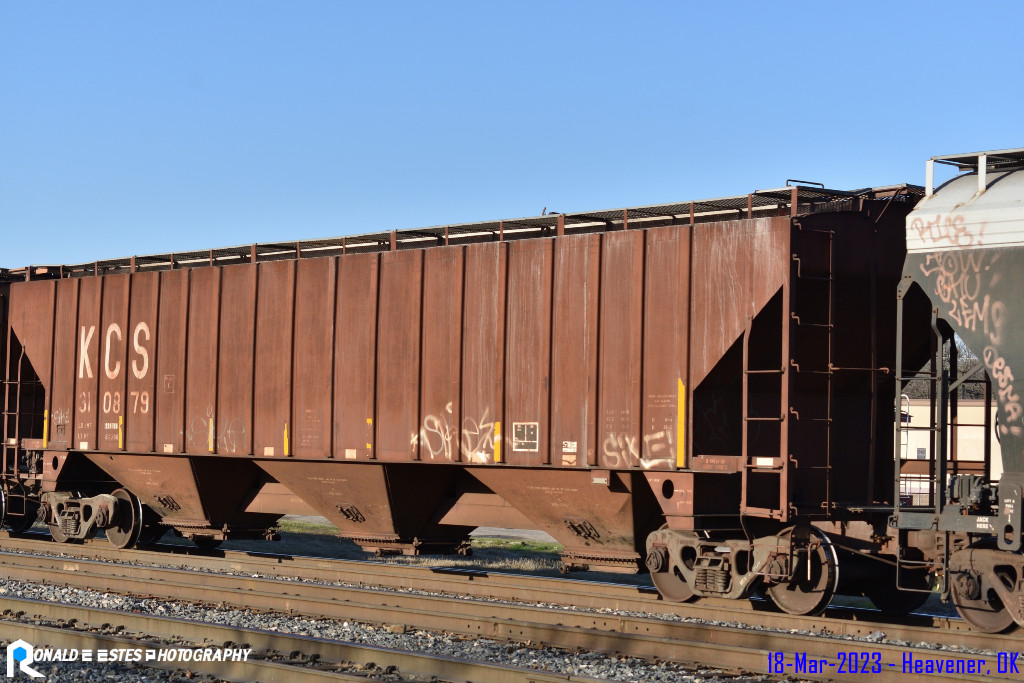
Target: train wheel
[(672, 586), (127, 520), (17, 523), (58, 535), (814, 580), (21, 523), (889, 599), (978, 604)]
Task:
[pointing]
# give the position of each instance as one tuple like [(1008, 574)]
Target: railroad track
[(642, 636), (519, 588), (275, 657)]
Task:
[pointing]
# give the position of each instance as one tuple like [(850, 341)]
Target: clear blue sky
[(143, 127)]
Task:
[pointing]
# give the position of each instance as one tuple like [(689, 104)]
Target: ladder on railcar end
[(906, 490), (943, 429), (23, 394), (812, 267)]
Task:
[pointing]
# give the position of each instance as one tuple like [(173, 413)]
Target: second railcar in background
[(964, 273), (700, 390)]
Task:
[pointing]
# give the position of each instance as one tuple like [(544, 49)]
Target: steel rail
[(258, 667), (519, 588), (686, 643)]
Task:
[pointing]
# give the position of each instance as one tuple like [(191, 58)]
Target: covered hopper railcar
[(701, 390), (965, 269)]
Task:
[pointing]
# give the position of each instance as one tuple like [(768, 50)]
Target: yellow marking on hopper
[(497, 442), (681, 426)]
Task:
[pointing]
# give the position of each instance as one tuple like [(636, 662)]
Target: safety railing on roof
[(786, 201)]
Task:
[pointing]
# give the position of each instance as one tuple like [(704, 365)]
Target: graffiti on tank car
[(228, 437), (199, 429), (660, 449), (436, 435), (478, 438), (231, 438), (960, 283), (949, 229), (620, 450), (441, 439), (1010, 406)]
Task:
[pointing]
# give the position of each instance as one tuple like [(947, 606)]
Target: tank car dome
[(983, 207)]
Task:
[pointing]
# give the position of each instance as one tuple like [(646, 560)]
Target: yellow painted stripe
[(681, 426), (120, 431), (211, 435), (497, 442), (46, 427), (286, 439)]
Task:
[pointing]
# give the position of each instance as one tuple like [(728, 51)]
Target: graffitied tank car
[(965, 273), (700, 390)]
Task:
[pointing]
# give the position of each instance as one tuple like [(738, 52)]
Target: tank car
[(700, 390), (963, 278)]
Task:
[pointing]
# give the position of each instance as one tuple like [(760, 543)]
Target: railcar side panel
[(666, 341), (621, 326), (113, 359), (234, 365), (574, 350), (310, 429), (275, 301), (483, 353), (440, 404), (737, 267), (88, 365), (733, 278), (31, 314), (201, 368), (140, 370), (355, 349), (171, 347), (398, 362), (528, 349), (65, 336)]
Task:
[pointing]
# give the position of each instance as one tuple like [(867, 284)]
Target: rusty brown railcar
[(697, 389)]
